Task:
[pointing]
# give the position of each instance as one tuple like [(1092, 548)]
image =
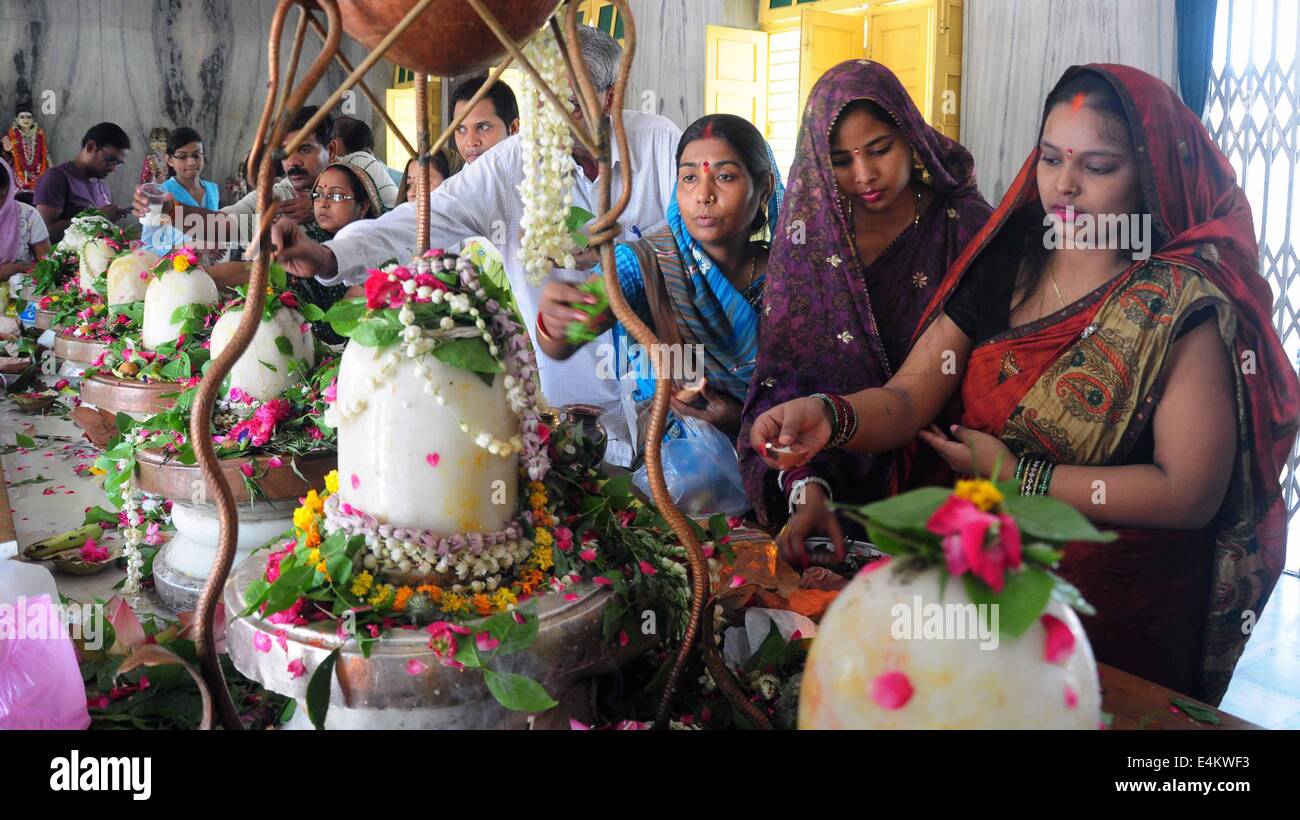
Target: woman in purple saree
[(878, 206)]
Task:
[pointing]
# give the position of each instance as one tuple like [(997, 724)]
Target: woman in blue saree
[(697, 281)]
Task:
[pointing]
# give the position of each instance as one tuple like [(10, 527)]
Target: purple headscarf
[(10, 238), (829, 325)]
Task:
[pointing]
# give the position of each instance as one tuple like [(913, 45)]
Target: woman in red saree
[(1147, 389)]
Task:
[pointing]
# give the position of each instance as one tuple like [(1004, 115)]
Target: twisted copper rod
[(490, 20), (469, 106), (365, 89), (298, 35), (603, 232), (201, 415), (422, 182), (357, 74)]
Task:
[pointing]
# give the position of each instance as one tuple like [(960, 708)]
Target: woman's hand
[(718, 409), (558, 312), (801, 424), (812, 516), (974, 453)]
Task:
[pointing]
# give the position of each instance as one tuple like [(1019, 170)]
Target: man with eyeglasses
[(71, 187), (290, 195)]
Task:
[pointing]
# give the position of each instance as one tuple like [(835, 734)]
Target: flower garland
[(546, 145), (132, 538)]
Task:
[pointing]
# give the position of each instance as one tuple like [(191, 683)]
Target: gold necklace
[(1051, 275)]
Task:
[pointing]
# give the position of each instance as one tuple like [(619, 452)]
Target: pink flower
[(93, 552), (625, 517), (578, 726), (331, 393), (282, 638), (314, 433), (356, 482), (634, 725), (734, 522), (563, 538), (415, 667), (647, 568), (892, 690), (588, 554), (517, 616), (873, 566), (1071, 697), (247, 468), (965, 530), (273, 562), (543, 433), (274, 461), (601, 580), (289, 300), (287, 616), (373, 629), (571, 596), (433, 459), (381, 292), (296, 669), (100, 702), (736, 580), (60, 384), (485, 642), (622, 637), (1060, 640), (261, 642), (442, 641), (152, 534)]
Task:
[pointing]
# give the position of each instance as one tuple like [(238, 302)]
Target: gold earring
[(919, 166)]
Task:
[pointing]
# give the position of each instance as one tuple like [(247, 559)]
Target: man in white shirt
[(483, 200), (354, 143)]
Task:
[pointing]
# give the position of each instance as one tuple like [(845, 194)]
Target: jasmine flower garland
[(547, 148)]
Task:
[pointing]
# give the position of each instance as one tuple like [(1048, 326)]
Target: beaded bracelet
[(1034, 475), (844, 419)]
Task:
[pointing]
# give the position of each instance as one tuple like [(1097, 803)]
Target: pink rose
[(976, 541)]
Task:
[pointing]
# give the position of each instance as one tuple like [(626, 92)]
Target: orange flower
[(432, 590), (482, 603), (313, 536), (403, 595)]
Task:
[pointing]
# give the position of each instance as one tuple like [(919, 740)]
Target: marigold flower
[(361, 583), (314, 502), (983, 494), (402, 595), (303, 518), (482, 604), (332, 481)]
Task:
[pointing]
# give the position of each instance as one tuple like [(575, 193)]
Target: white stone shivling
[(403, 457), (93, 260), (129, 276), (174, 289), (251, 373)]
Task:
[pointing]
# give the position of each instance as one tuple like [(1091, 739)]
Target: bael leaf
[(517, 692), (574, 224), (24, 441), (514, 637), (1050, 519), (282, 344), (318, 689), (1195, 711), (907, 512), (310, 312), (99, 515), (1021, 602), (467, 354)]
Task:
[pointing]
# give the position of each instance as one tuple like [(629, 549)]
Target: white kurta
[(483, 200)]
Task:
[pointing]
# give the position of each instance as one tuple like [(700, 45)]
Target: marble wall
[(142, 63), (1015, 50)]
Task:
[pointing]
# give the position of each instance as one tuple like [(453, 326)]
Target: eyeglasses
[(318, 195), (113, 161)]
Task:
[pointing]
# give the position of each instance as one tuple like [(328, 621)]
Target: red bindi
[(706, 166), (1077, 102), (1069, 152)]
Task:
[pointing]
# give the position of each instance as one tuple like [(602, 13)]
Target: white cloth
[(483, 200), (31, 231), (378, 173), (245, 210)]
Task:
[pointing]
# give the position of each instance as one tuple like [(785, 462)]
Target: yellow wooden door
[(825, 40), (947, 69), (735, 73), (902, 37)]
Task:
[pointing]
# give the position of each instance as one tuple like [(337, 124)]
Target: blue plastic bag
[(701, 470)]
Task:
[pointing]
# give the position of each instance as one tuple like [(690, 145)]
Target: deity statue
[(26, 150), (154, 168)]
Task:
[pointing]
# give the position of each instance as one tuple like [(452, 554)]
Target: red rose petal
[(892, 690), (433, 459), (1060, 640), (1071, 697), (356, 482)]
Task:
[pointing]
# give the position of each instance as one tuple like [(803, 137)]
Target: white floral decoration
[(547, 148)]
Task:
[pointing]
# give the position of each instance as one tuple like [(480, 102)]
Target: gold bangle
[(541, 329)]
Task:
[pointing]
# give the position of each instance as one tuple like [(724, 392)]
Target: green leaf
[(254, 595), (618, 488), (1068, 594), (282, 344), (99, 515), (1050, 519), (907, 512), (1196, 711), (514, 637), (467, 354), (517, 692), (310, 312), (466, 653), (717, 527), (574, 224), (318, 689), (344, 315), (769, 652), (268, 366), (288, 588), (277, 276), (1021, 602), (25, 441), (1041, 553)]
